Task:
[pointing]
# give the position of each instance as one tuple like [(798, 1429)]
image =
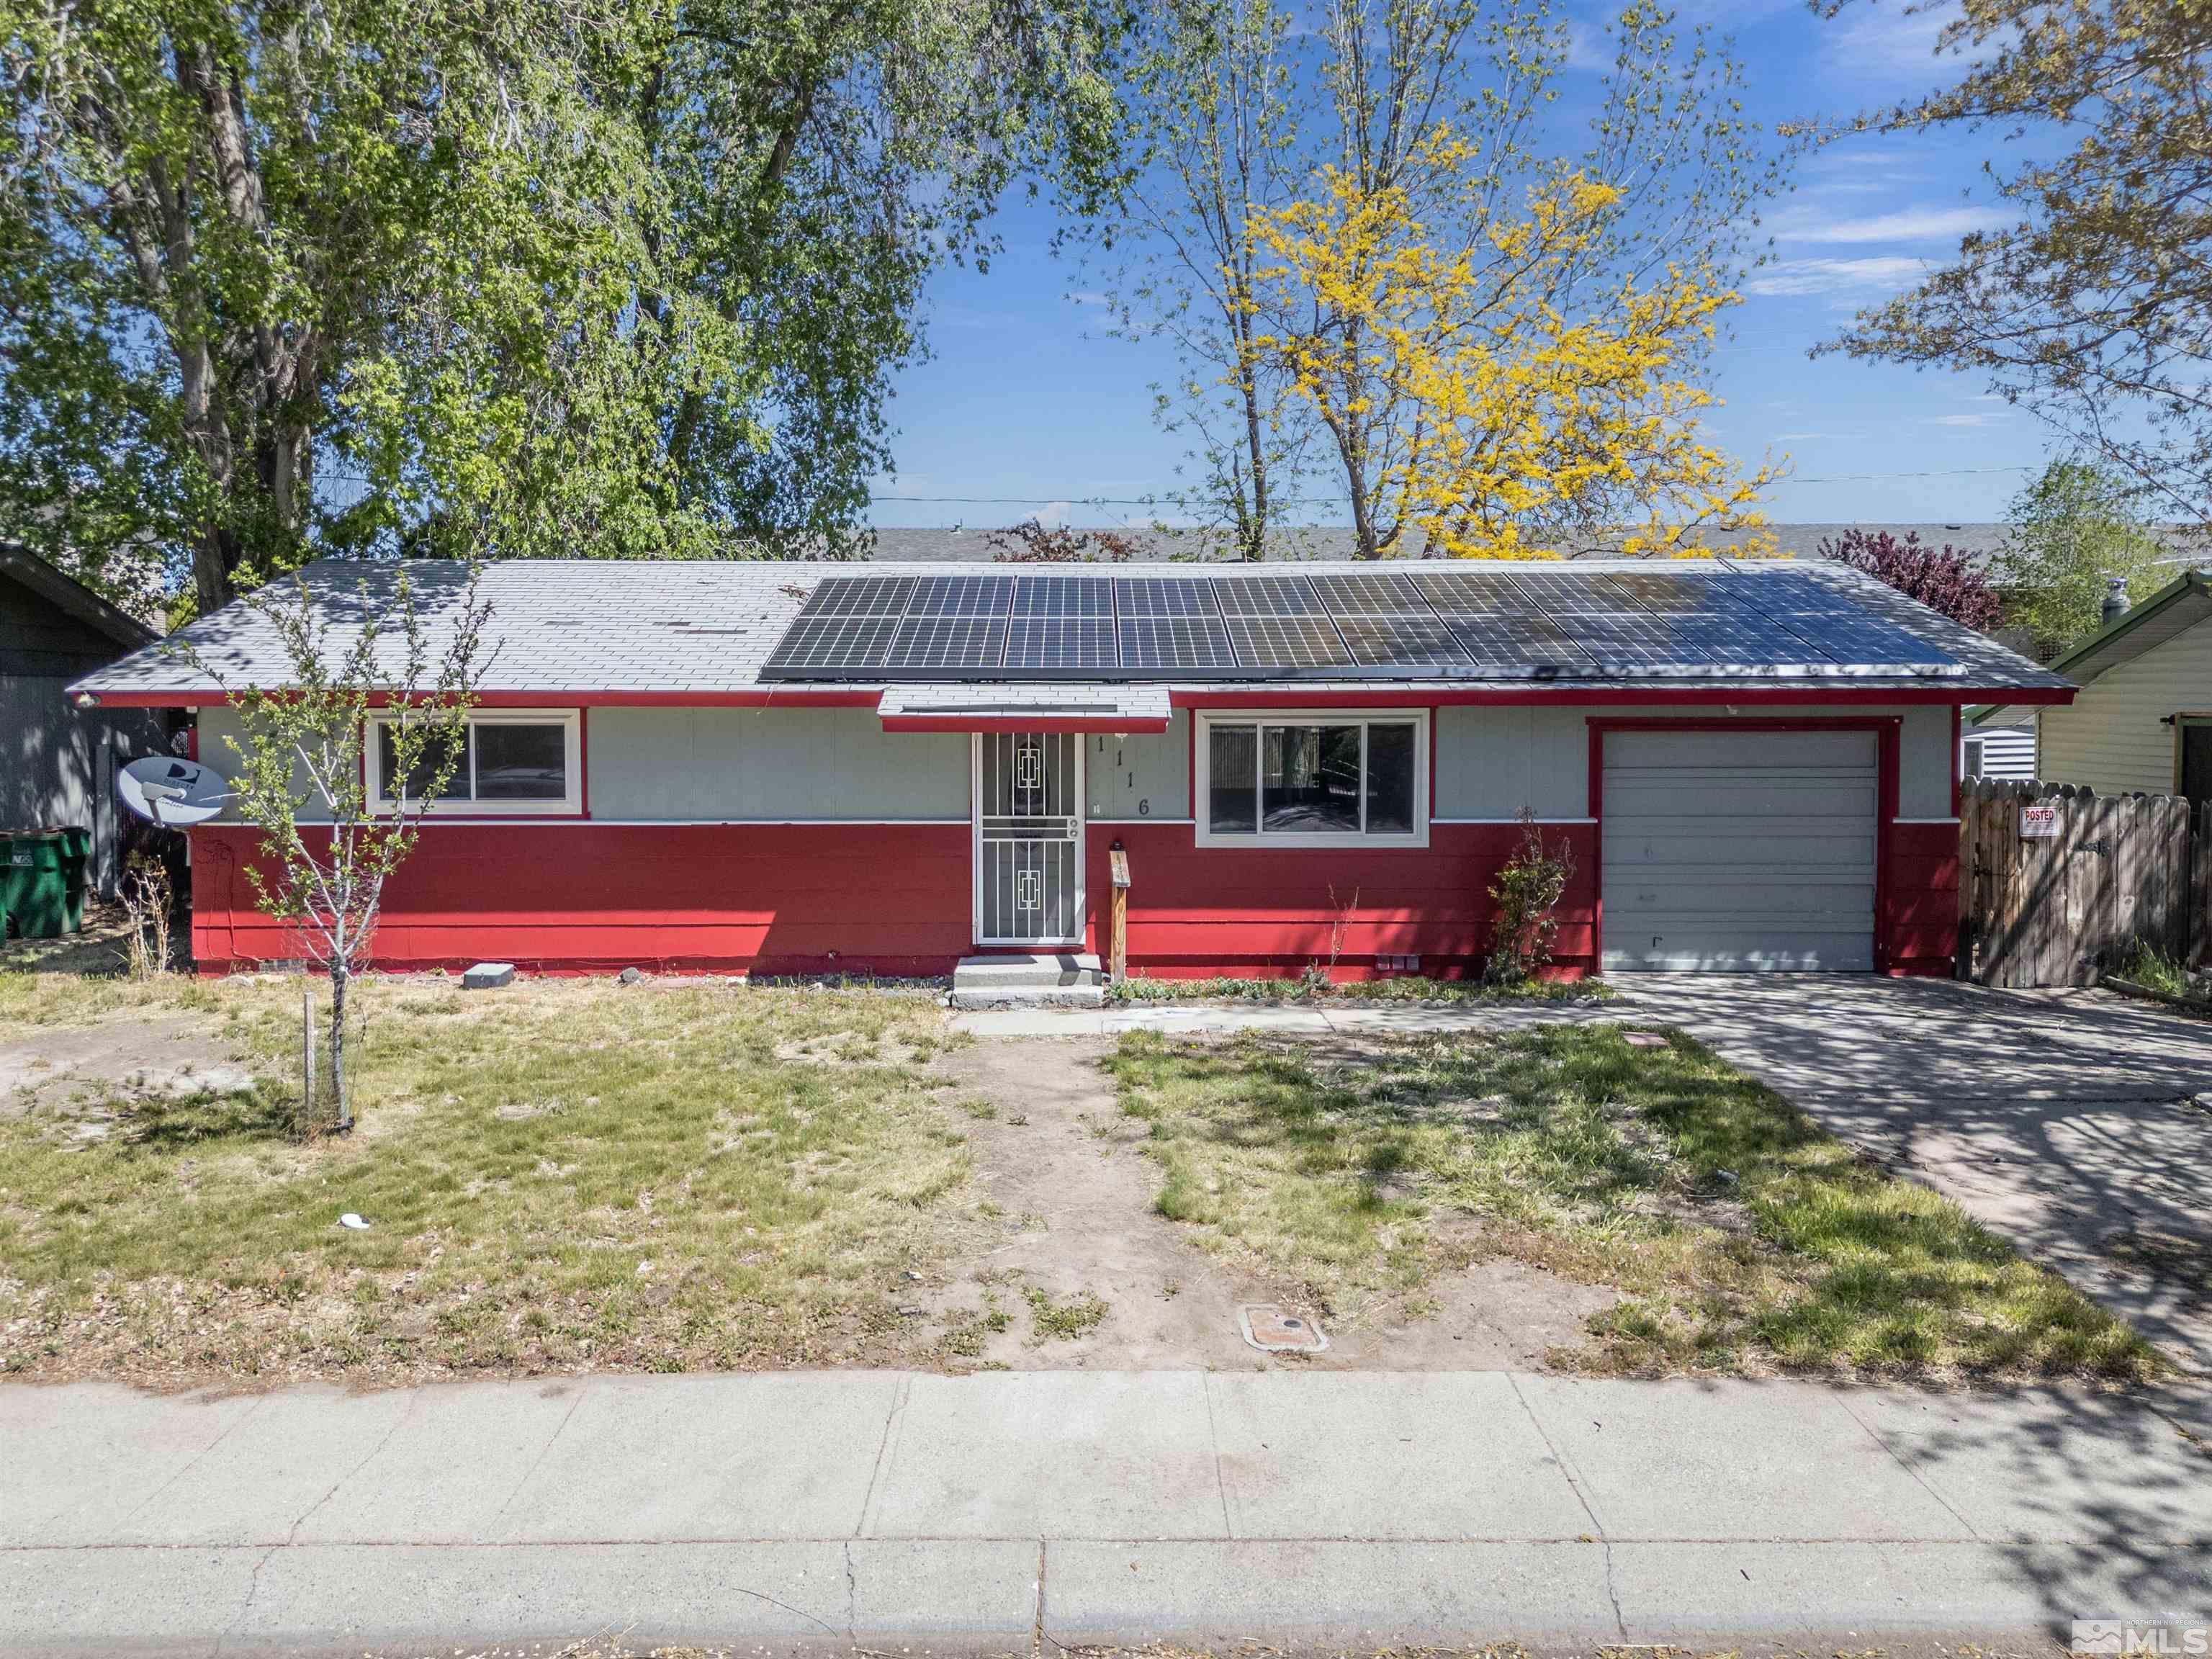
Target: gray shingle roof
[(562, 628)]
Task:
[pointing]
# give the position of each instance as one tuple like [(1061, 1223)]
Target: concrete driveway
[(2066, 1120)]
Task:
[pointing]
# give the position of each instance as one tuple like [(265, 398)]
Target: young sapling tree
[(388, 666)]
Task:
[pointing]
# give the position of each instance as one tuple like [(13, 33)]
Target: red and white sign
[(2039, 822)]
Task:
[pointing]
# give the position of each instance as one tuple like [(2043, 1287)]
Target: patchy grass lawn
[(1742, 1238), (567, 1175)]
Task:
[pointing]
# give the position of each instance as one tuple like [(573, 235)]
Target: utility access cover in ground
[(1271, 1330)]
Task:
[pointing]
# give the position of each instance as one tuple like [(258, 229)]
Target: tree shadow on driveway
[(2066, 1121)]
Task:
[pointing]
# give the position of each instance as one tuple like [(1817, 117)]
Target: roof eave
[(2191, 584), (66, 592)]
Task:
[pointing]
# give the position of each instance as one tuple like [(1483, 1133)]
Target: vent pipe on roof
[(2116, 600)]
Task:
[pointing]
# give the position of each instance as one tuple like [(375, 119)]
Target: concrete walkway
[(1009, 1512), (2064, 1121)]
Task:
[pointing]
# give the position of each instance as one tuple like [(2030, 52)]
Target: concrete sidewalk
[(1003, 1511)]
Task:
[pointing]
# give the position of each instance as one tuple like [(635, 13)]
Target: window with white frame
[(1325, 779), (517, 760)]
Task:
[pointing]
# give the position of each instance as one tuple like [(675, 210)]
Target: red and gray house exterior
[(699, 766)]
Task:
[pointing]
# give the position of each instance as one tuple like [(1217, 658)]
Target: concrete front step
[(1063, 979)]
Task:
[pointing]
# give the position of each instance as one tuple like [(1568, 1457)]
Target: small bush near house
[(2149, 967), (1528, 890)]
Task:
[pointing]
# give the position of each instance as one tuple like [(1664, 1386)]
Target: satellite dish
[(175, 792)]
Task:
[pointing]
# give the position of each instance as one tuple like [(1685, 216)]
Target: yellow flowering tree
[(1501, 392)]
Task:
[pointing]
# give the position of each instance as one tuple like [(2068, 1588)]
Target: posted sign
[(2039, 822)]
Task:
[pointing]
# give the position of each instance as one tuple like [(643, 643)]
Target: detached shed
[(58, 766), (886, 767)]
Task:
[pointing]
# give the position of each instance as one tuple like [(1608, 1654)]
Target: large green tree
[(2094, 309), (489, 276), (2071, 531)]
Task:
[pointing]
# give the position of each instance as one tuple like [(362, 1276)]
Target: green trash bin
[(45, 882)]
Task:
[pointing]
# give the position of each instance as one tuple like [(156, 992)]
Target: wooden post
[(1118, 929)]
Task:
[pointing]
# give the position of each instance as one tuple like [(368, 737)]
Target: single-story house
[(2142, 718), (57, 761), (885, 767)]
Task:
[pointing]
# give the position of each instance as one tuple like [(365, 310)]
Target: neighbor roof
[(71, 596), (966, 543), (2175, 608), (564, 630)]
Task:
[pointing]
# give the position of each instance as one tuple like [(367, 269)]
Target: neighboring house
[(878, 768), (57, 762), (2006, 752), (2142, 720), (1980, 542)]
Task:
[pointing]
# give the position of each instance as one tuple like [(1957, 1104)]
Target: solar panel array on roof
[(1452, 621)]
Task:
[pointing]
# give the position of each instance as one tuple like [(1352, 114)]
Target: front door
[(1029, 838)]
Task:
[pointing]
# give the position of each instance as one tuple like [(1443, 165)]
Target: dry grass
[(568, 1176), (1743, 1237)]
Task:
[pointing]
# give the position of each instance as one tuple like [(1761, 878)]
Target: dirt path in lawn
[(1088, 1274)]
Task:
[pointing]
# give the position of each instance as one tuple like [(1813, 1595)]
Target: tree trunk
[(339, 1098)]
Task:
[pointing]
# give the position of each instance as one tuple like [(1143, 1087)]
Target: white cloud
[(1588, 48), (1087, 296), (1923, 223), (1797, 437), (1798, 276), (1054, 514), (1889, 40), (1965, 420)]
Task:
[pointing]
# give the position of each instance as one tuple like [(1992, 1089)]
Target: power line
[(1311, 500)]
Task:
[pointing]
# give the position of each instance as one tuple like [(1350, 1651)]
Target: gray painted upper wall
[(779, 764), (769, 764), (1145, 775), (1492, 762)]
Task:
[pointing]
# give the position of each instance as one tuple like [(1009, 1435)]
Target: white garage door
[(1740, 851)]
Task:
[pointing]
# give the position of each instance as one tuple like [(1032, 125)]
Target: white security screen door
[(1029, 838)]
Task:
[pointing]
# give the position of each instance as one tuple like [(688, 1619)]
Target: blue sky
[(1027, 397)]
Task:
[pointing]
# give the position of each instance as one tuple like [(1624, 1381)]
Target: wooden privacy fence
[(2057, 884)]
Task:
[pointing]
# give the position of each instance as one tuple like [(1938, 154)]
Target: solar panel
[(861, 596), (961, 596), (1370, 593), (1060, 642), (1286, 641), (1461, 592), (1186, 644), (1505, 644), (1402, 642), (1266, 596), (1504, 622), (1834, 624), (948, 643), (1165, 596), (831, 642), (1062, 596)]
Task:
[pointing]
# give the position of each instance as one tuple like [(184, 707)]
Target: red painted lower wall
[(895, 900), (1920, 899), (1196, 911), (887, 899)]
